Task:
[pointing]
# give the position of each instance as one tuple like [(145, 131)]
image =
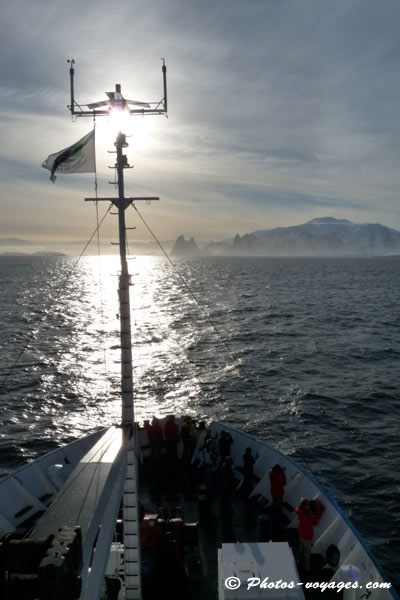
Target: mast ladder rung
[(131, 530)]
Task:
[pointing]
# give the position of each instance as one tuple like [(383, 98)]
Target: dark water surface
[(319, 340)]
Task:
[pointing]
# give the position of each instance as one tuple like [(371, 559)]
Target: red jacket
[(278, 480), (306, 520), (171, 431), (155, 434)]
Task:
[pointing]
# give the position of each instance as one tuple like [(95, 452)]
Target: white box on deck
[(272, 560)]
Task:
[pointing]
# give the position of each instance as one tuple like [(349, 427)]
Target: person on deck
[(278, 481), (227, 482), (156, 438), (225, 442), (248, 463), (308, 514), (171, 432), (188, 431), (209, 460)]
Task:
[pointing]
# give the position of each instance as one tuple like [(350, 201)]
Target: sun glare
[(137, 129), (119, 120)]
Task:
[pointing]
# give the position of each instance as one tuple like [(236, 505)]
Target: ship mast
[(132, 579), (124, 298)]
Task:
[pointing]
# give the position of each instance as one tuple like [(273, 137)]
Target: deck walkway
[(174, 488)]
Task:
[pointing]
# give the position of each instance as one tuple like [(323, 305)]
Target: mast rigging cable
[(236, 360)]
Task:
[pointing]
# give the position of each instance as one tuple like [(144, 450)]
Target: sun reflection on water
[(163, 380), (89, 356), (68, 382)]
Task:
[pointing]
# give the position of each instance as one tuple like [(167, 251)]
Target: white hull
[(30, 491)]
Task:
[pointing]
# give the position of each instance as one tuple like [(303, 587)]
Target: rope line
[(99, 265), (237, 361), (101, 295), (52, 301)]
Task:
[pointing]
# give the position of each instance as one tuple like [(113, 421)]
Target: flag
[(78, 158)]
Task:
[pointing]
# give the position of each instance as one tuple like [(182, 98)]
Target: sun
[(138, 130), (119, 120)]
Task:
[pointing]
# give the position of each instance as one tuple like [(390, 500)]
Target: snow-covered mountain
[(320, 237)]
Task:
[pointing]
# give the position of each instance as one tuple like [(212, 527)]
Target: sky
[(280, 111)]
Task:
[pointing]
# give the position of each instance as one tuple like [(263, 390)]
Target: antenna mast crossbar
[(130, 200), (154, 108)]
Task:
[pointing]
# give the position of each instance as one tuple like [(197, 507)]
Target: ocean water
[(303, 353)]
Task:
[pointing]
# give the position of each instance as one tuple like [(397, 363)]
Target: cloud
[(276, 109)]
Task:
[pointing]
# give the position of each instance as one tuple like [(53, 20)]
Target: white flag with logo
[(78, 158)]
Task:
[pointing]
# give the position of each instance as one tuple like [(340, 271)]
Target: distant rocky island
[(12, 245), (43, 253), (185, 248), (324, 236)]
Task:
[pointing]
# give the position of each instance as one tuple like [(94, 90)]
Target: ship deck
[(175, 488)]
